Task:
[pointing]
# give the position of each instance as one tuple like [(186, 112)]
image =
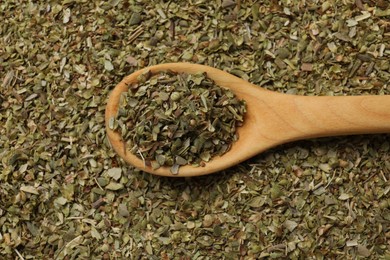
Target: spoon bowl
[(272, 118)]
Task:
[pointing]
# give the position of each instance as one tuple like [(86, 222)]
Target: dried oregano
[(174, 119)]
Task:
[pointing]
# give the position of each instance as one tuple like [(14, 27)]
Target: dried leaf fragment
[(29, 189), (363, 251), (108, 65), (67, 13), (228, 3), (344, 196), (114, 186), (290, 225), (115, 173), (307, 67)]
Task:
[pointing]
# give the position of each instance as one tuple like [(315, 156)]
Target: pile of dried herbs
[(64, 193), (174, 119)]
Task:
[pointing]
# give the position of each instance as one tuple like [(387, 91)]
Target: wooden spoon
[(272, 118)]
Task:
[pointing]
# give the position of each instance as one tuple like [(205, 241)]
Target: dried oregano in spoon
[(173, 119)]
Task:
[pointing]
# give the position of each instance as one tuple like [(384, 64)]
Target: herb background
[(64, 194)]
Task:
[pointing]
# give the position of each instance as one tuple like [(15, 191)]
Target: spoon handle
[(310, 117)]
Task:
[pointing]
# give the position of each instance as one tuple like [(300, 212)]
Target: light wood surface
[(272, 118)]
